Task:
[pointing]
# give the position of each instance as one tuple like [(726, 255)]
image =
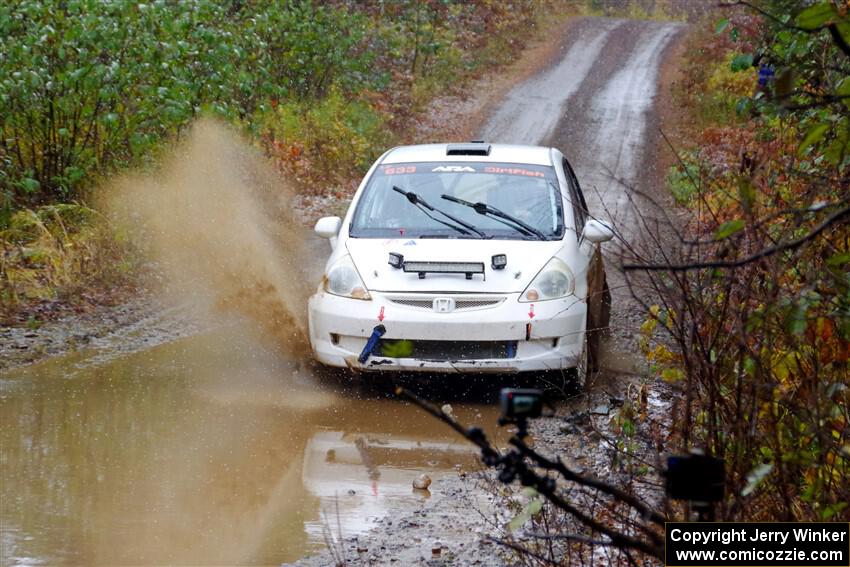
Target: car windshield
[(524, 193)]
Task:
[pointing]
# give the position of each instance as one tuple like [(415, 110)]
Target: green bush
[(335, 136), (89, 86), (682, 179)]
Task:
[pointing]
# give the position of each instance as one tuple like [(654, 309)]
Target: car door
[(598, 293), (579, 208)]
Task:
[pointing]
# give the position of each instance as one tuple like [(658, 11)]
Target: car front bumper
[(547, 336)]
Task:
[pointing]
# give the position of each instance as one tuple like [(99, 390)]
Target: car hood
[(525, 259)]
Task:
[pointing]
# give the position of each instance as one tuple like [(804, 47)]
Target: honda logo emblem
[(444, 305)]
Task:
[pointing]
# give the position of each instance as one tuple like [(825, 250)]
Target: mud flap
[(598, 308)]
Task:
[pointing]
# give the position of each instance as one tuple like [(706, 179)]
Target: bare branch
[(523, 551), (832, 219), (832, 27), (570, 537), (559, 466), (513, 466), (838, 39)]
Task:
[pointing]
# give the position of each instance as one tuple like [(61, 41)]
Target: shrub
[(54, 252), (87, 87), (757, 302), (328, 140)]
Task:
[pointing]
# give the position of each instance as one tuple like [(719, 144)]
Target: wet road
[(595, 105), (216, 450), (208, 450)]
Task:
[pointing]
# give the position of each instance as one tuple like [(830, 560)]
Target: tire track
[(526, 115), (619, 143), (595, 104)]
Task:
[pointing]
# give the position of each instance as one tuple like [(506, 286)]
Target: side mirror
[(328, 227), (597, 231)]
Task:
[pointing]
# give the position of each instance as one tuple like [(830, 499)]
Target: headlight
[(554, 280), (343, 279)]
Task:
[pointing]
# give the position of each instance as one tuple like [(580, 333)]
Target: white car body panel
[(370, 256), (499, 153), (548, 334)]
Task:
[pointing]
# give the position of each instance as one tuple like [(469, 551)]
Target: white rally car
[(461, 258)]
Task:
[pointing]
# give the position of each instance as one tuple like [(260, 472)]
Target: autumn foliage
[(753, 321)]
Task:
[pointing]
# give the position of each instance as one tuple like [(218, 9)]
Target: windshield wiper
[(423, 205), (501, 216)]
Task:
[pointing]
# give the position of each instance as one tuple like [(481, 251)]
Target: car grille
[(448, 350), (462, 302)]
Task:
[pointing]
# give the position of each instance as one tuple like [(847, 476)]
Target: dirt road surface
[(212, 449), (596, 105)]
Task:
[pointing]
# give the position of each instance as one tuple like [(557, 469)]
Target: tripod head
[(518, 405)]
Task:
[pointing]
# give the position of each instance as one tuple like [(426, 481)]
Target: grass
[(57, 252), (681, 180)]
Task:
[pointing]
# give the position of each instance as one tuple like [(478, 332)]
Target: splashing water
[(217, 220)]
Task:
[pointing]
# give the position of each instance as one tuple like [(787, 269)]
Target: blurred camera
[(695, 477), (521, 403)]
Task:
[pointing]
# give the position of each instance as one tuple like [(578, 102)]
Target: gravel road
[(594, 103)]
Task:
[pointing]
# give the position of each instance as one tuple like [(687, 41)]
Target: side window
[(576, 198)]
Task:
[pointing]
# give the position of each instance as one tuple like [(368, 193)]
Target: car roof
[(499, 153)]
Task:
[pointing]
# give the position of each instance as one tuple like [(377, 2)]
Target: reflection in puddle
[(207, 450), (356, 476)]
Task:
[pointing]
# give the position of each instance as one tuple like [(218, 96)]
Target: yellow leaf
[(672, 374)]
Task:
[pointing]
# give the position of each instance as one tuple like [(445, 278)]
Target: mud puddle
[(206, 450), (224, 447)]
